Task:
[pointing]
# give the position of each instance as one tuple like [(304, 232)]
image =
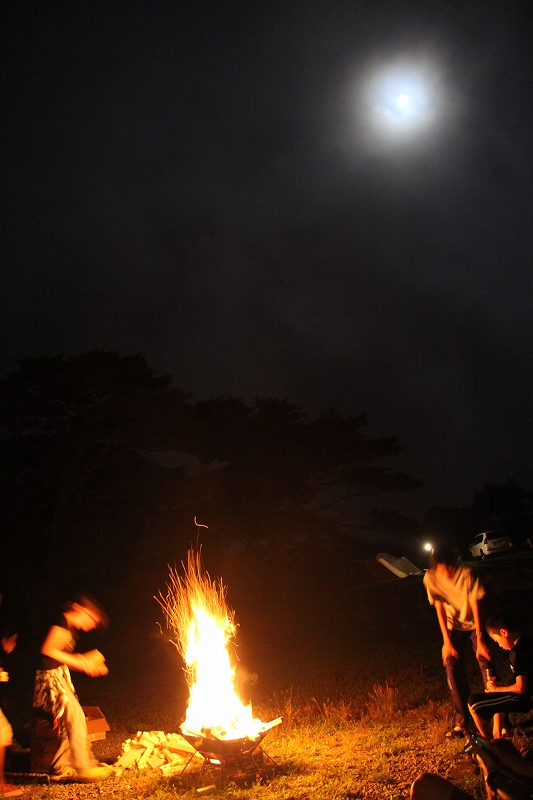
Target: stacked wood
[(167, 752)]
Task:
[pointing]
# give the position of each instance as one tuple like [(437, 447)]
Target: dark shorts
[(489, 703)]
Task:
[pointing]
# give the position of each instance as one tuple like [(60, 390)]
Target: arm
[(447, 647), (519, 687), (9, 643), (481, 648), (59, 638)]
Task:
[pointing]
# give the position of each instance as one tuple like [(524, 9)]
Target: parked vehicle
[(489, 542)]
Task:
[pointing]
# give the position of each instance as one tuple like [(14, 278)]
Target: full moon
[(399, 101), (403, 101)]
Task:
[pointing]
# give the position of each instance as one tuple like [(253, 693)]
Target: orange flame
[(196, 611)]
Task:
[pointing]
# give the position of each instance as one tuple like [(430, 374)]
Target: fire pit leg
[(264, 753), (188, 762), (198, 779), (208, 763), (233, 759)]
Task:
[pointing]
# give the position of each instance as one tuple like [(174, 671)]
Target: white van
[(489, 542)]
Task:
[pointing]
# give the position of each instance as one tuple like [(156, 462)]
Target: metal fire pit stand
[(231, 757)]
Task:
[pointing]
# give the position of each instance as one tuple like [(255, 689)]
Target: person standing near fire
[(9, 624), (7, 645), (55, 697), (455, 594)]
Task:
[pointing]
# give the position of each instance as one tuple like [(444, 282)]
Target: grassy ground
[(320, 752), (355, 673)]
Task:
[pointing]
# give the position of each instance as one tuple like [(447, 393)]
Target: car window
[(499, 534), (478, 539)]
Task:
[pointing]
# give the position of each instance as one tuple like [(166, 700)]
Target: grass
[(326, 750), (355, 674)]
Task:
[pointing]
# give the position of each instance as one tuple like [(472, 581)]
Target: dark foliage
[(282, 485), (77, 436), (504, 505), (87, 489)]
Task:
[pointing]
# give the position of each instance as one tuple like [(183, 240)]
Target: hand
[(481, 650), (96, 671), (94, 663), (9, 643), (448, 651)]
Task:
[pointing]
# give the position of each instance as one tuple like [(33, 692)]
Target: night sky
[(330, 201)]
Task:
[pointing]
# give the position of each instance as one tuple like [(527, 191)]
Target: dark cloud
[(205, 186)]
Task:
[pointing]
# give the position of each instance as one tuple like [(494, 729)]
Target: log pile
[(167, 752)]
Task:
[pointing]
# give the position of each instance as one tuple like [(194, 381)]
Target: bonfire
[(218, 726), (197, 613)]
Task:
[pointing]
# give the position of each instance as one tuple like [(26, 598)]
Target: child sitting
[(498, 700)]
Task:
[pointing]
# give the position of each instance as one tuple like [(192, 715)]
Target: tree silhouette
[(82, 483), (504, 505), (282, 485), (76, 445)]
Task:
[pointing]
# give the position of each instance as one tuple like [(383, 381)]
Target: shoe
[(66, 774), (93, 774), (8, 790), (455, 733)]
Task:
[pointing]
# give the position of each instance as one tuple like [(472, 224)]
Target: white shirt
[(456, 594)]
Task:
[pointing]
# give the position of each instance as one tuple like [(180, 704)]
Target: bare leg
[(484, 727), (497, 725)]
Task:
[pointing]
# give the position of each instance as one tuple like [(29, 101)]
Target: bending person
[(500, 700), (55, 695), (455, 593)]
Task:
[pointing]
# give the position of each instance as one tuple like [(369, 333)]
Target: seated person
[(498, 700)]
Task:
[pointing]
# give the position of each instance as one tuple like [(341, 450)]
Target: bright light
[(196, 611), (399, 101), (428, 547), (403, 101)]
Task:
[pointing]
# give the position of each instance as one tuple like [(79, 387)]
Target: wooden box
[(44, 739)]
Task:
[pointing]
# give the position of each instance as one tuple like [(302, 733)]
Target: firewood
[(129, 758), (171, 769), (155, 749), (156, 760), (150, 737), (145, 756), (172, 758), (180, 745)]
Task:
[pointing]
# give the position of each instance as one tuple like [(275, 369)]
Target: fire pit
[(232, 757)]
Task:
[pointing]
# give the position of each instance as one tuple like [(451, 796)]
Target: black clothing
[(490, 703), (50, 663), (521, 660)]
